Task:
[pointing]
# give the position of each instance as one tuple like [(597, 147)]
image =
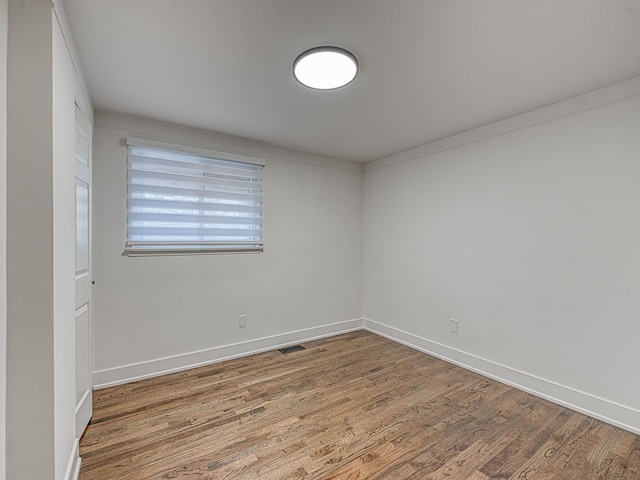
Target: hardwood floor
[(355, 406)]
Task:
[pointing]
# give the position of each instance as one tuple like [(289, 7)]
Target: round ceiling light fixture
[(325, 68)]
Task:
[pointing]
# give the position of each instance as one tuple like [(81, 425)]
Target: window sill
[(164, 252)]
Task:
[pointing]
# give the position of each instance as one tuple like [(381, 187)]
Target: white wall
[(30, 398), (530, 239), (4, 13), (162, 313)]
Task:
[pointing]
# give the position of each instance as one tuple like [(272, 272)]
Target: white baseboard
[(606, 410), (600, 408), (73, 466), (162, 366)]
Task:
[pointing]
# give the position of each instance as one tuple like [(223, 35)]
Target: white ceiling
[(429, 68)]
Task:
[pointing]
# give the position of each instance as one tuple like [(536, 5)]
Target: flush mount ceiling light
[(325, 68)]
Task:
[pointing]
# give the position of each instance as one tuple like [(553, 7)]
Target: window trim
[(133, 248)]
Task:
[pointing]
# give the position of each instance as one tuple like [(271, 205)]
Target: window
[(185, 200)]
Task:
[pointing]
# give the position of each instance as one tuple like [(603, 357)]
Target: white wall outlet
[(453, 325), (242, 321)]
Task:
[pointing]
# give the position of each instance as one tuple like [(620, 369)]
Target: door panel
[(83, 370), (84, 367), (83, 276)]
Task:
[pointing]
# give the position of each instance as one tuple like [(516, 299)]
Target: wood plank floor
[(354, 406)]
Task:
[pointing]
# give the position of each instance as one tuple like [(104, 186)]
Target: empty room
[(328, 240)]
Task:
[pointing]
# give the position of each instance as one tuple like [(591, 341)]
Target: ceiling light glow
[(325, 68)]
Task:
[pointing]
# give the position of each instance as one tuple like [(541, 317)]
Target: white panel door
[(84, 368)]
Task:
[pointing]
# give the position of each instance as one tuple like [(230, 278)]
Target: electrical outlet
[(242, 321), (453, 325)]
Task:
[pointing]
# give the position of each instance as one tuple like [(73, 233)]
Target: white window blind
[(192, 201)]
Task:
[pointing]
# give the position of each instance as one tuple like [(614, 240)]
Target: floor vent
[(293, 348)]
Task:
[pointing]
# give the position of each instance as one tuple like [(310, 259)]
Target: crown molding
[(612, 94), (131, 125)]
